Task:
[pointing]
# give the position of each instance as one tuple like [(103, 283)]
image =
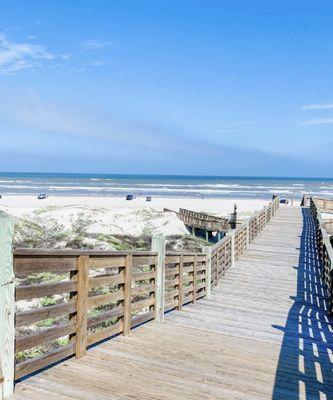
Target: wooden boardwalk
[(263, 334)]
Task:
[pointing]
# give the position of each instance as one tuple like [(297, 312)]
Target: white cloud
[(97, 63), (65, 56), (93, 44), (238, 123), (324, 106), (28, 110), (225, 131), (318, 121), (18, 56)]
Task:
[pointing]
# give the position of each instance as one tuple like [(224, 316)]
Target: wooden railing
[(185, 279), (328, 225), (325, 251), (100, 294), (325, 204), (69, 300), (240, 241), (203, 220), (224, 253)]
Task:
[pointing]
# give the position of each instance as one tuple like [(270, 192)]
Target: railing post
[(82, 305), (128, 294), (195, 266), (208, 250), (258, 225), (7, 307), (247, 233), (181, 282), (158, 245), (232, 235)]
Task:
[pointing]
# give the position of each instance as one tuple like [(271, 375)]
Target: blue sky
[(178, 87)]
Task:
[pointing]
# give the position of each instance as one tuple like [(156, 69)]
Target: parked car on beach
[(129, 197), (41, 196), (148, 198)]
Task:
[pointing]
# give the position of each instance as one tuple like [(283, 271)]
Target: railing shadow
[(305, 366)]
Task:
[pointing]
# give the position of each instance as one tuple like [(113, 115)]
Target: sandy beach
[(89, 218)]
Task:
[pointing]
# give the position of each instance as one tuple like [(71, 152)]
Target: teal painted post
[(7, 307)]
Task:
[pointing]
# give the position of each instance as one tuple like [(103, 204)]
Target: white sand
[(115, 215)]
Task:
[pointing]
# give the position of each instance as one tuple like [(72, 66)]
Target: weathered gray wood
[(208, 272), (158, 245), (82, 305), (128, 295), (7, 307), (232, 235)]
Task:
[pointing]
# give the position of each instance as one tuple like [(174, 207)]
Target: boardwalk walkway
[(263, 334)]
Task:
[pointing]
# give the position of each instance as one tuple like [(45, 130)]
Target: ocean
[(167, 186)]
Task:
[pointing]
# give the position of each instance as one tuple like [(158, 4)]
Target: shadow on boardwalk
[(305, 367)]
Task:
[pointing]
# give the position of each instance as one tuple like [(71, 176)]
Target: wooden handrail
[(100, 294), (325, 251), (202, 220)]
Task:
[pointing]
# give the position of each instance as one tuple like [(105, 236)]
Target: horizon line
[(167, 175)]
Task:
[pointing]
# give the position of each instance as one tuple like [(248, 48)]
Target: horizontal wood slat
[(105, 333), (97, 319), (46, 335), (106, 280), (43, 290), (24, 266), (95, 301), (28, 367), (31, 316)]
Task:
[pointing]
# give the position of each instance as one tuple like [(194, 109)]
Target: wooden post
[(128, 294), (82, 305), (7, 307), (181, 282), (195, 278), (258, 225), (158, 245), (232, 235), (208, 250), (247, 233)]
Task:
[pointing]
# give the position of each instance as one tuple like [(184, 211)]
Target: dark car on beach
[(129, 197), (148, 198)]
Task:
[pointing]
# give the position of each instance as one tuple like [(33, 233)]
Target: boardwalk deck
[(263, 334)]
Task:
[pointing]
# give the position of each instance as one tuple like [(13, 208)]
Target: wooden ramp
[(263, 334)]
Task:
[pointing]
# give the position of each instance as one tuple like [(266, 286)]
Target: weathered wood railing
[(69, 300), (224, 253), (203, 220), (325, 251), (325, 204), (90, 296), (185, 279)]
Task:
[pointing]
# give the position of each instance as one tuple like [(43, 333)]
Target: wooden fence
[(68, 300), (325, 251), (203, 220), (328, 225), (326, 205)]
